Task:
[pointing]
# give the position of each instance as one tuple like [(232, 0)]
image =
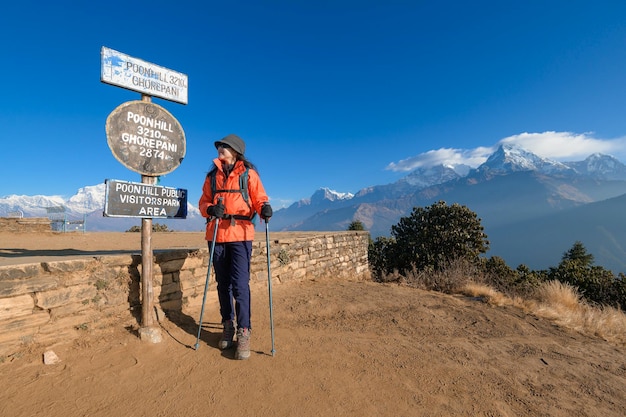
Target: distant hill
[(540, 242), (513, 192)]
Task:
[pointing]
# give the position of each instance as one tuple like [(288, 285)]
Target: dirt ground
[(342, 348)]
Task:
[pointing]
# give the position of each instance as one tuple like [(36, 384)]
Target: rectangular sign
[(134, 74), (133, 199)]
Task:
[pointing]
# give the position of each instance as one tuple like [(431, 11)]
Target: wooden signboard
[(134, 74), (145, 138), (132, 199)]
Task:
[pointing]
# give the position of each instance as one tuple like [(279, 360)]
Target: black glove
[(266, 212), (216, 210)]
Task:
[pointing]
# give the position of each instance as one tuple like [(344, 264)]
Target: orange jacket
[(237, 230)]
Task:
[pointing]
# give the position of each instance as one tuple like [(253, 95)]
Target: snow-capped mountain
[(329, 195), (88, 203), (512, 158), (600, 166), (511, 191), (425, 177), (87, 200), (31, 206), (505, 160)]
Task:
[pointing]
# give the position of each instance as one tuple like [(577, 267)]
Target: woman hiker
[(233, 193)]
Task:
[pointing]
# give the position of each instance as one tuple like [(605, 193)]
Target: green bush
[(440, 238), (156, 227), (595, 284), (521, 281), (380, 257), (356, 225), (432, 237)]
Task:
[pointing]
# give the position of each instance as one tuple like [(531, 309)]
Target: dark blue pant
[(231, 262)]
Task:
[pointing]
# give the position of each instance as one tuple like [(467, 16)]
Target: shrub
[(432, 237), (498, 274), (449, 279), (156, 227), (519, 282), (380, 257), (356, 225), (596, 284)]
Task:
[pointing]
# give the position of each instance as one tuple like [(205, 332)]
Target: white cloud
[(560, 146), (566, 146), (445, 156)]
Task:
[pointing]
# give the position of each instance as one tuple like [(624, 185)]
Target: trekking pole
[(269, 282), (208, 276)]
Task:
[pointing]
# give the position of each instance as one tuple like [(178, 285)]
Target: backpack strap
[(243, 190), (243, 186)]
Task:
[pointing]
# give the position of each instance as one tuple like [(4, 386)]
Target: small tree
[(432, 237), (595, 283), (578, 253), (356, 225)]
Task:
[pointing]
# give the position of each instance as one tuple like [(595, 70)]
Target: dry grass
[(563, 304), (487, 294), (553, 300), (456, 275)]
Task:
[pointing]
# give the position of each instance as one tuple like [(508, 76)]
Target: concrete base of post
[(150, 334)]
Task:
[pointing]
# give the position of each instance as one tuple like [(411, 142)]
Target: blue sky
[(337, 94)]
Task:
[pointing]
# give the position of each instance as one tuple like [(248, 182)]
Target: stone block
[(67, 266), (118, 260), (71, 309), (174, 265), (150, 335), (193, 262), (63, 296), (167, 291), (176, 304), (21, 305), (166, 256), (19, 327), (12, 272), (19, 287), (114, 298)]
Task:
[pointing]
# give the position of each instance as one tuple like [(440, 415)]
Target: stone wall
[(53, 302), (25, 224)]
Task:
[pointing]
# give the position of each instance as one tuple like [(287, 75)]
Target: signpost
[(146, 139), (134, 74), (133, 199)]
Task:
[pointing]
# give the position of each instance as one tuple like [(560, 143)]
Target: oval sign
[(145, 138)]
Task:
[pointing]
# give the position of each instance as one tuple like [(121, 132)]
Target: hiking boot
[(227, 335), (243, 344)]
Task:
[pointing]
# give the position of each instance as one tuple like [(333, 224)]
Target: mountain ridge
[(511, 187)]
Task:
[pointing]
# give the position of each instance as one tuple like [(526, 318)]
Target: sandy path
[(342, 349)]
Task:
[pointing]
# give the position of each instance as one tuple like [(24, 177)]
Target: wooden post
[(113, 64), (147, 331), (147, 293)]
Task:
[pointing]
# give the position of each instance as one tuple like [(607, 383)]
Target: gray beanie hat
[(234, 142)]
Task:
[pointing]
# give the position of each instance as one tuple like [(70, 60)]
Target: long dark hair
[(239, 157)]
